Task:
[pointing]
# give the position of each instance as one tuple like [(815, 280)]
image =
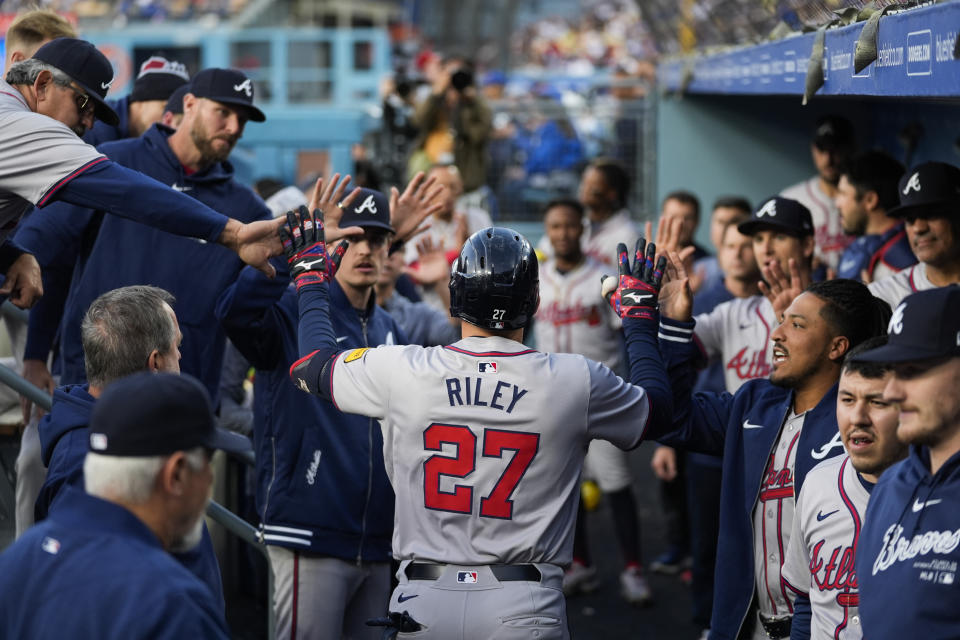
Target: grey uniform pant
[(318, 597), (30, 475), (455, 607)]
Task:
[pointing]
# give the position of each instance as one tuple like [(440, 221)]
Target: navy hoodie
[(102, 132), (64, 438), (84, 253), (909, 552), (321, 482)]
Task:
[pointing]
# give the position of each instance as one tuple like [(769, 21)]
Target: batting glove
[(633, 293), (304, 247)]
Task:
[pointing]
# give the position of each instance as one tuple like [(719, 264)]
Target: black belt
[(502, 572), (776, 626)]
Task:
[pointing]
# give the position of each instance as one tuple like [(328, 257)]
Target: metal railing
[(217, 512)]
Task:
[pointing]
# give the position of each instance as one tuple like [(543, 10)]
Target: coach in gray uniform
[(46, 103)]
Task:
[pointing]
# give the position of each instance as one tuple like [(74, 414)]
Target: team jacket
[(94, 570), (321, 482), (64, 439), (743, 429), (84, 253), (102, 132), (909, 552), (881, 254)]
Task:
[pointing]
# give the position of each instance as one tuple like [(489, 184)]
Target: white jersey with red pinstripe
[(738, 332), (827, 230), (37, 155), (484, 442), (773, 521), (823, 546), (893, 289), (574, 318)]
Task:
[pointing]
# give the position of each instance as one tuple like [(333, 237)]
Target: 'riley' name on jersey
[(472, 391)]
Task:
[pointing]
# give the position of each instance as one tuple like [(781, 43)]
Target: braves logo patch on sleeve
[(356, 354)]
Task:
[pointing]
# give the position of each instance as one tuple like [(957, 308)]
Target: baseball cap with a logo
[(87, 67), (156, 414), (832, 133), (779, 214), (929, 190), (369, 209), (228, 86), (926, 325), (158, 79)]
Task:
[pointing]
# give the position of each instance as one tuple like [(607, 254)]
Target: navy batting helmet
[(495, 283)]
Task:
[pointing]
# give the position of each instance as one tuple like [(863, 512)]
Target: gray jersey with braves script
[(820, 558), (893, 289), (484, 442), (738, 332), (37, 155)]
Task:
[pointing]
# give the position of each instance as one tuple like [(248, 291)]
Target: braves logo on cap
[(368, 205), (245, 87), (912, 184), (896, 320), (98, 441), (768, 209)]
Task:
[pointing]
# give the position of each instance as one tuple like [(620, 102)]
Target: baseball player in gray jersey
[(819, 565), (484, 439)]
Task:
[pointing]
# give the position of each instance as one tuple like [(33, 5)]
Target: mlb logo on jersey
[(487, 367), (467, 577)]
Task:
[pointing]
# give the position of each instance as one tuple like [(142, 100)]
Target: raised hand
[(633, 294), (303, 244), (676, 295), (409, 210), (328, 199), (778, 288)]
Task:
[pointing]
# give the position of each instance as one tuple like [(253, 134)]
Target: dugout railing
[(230, 521)]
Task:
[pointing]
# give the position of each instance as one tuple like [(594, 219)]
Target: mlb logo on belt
[(487, 367), (467, 577)]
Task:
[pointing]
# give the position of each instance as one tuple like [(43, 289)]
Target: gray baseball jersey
[(574, 318), (738, 332), (820, 558), (827, 230), (38, 155), (893, 289), (484, 441), (600, 239)]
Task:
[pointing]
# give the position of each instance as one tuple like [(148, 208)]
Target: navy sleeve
[(246, 311), (317, 341), (699, 420), (800, 625), (647, 371), (9, 252), (110, 187), (56, 237)]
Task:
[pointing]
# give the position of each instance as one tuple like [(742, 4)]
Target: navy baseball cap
[(926, 325), (369, 209), (779, 214), (158, 79), (833, 132), (228, 86), (89, 68), (156, 414), (175, 102), (929, 190)]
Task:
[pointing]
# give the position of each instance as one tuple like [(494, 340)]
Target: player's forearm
[(646, 368), (800, 625), (9, 252), (130, 194), (45, 315), (316, 339)]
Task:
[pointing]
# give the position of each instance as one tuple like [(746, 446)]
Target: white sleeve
[(617, 411), (360, 382), (38, 153), (710, 329), (796, 562)]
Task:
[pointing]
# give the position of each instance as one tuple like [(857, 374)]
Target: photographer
[(454, 120)]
